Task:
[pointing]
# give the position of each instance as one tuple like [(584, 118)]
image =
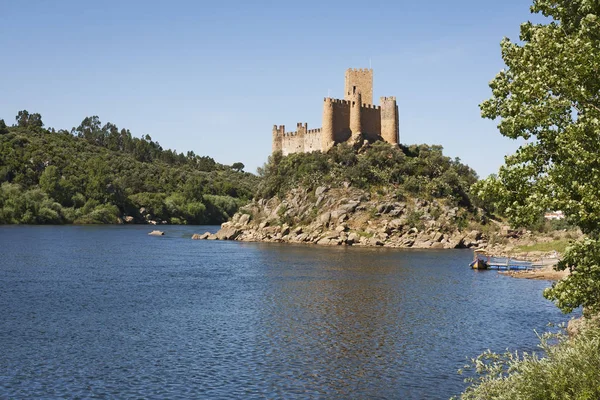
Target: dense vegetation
[(550, 95), (418, 170), (98, 174), (570, 369)]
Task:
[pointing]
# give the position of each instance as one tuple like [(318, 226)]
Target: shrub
[(569, 370)]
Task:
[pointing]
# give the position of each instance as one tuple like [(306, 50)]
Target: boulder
[(263, 224), (204, 236), (335, 214), (129, 219), (353, 238), (324, 218), (244, 219), (349, 207), (396, 223), (341, 228), (320, 190), (395, 213), (374, 242), (319, 200), (156, 233), (228, 233)]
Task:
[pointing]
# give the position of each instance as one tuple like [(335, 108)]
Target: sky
[(214, 77)]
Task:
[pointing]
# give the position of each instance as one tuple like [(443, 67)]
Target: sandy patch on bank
[(546, 273)]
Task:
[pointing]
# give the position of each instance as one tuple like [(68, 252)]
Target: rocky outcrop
[(156, 233), (352, 217)]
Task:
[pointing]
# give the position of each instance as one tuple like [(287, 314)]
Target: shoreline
[(545, 274)]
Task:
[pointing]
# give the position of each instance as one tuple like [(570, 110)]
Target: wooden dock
[(484, 261)]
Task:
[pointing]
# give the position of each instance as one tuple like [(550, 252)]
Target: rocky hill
[(368, 194), (351, 216)]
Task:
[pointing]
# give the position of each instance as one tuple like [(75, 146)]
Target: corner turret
[(327, 133), (278, 133), (390, 127)]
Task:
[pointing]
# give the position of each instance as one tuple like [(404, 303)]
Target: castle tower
[(327, 134), (362, 80), (355, 116), (389, 120), (278, 133)]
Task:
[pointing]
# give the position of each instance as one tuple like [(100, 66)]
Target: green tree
[(3, 127), (90, 130), (238, 166), (549, 94), (26, 120), (22, 118), (35, 121), (50, 182)]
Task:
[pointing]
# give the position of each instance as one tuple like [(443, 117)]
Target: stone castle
[(354, 116)]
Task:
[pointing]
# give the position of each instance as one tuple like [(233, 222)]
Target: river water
[(110, 312)]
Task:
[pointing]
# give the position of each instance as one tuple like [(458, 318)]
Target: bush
[(420, 170), (569, 370), (102, 214)]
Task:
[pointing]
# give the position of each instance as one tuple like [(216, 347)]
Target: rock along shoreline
[(349, 217)]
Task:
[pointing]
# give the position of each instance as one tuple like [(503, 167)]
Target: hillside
[(100, 174), (367, 194)]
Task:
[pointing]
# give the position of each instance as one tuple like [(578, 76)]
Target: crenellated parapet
[(371, 106)]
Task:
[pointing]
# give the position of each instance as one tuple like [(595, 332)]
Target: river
[(110, 312)]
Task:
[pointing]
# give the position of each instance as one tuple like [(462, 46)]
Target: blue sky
[(214, 77)]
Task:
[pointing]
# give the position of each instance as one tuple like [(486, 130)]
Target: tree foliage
[(418, 170), (26, 120), (569, 370), (550, 95), (99, 174)]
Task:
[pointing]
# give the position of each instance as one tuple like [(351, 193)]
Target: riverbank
[(544, 273)]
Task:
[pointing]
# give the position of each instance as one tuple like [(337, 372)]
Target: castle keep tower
[(343, 119), (361, 81)]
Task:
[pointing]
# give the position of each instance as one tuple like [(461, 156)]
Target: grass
[(559, 245)]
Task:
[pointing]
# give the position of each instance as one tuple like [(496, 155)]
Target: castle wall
[(341, 120), (292, 143), (312, 140), (371, 121), (362, 79), (302, 140)]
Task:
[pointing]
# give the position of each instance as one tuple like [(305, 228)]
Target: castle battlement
[(342, 119), (371, 106), (363, 70), (337, 101)]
